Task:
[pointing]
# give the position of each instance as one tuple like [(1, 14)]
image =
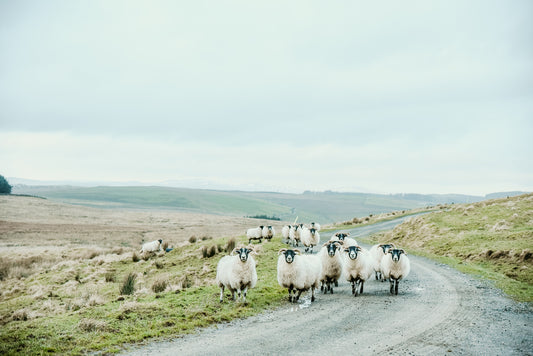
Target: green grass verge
[(491, 239), (104, 327)]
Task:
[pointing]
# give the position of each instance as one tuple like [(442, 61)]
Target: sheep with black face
[(331, 261), (395, 266), (255, 233), (152, 246), (237, 272), (357, 267), (377, 252), (298, 273)]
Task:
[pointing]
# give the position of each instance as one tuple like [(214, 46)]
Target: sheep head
[(396, 253)]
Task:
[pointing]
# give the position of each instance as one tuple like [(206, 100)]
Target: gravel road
[(438, 311)]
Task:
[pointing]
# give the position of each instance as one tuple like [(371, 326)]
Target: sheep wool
[(298, 273), (237, 272), (395, 266)]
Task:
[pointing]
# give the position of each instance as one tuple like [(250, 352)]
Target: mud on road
[(438, 311)]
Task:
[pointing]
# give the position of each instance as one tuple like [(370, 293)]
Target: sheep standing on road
[(285, 231), (315, 226), (298, 272), (255, 233), (358, 267), (343, 236), (268, 232), (395, 266), (237, 272), (310, 238), (331, 265), (152, 246), (377, 252)]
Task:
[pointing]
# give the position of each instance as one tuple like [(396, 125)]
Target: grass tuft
[(128, 286)]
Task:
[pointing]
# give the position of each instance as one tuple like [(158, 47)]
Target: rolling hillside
[(324, 207)]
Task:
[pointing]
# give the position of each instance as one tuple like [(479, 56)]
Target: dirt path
[(438, 311)]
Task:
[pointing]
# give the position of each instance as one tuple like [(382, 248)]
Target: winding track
[(438, 311)]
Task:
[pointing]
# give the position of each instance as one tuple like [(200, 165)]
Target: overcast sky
[(383, 96)]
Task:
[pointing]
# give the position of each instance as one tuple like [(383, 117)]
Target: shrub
[(204, 251), (231, 244), (5, 187), (159, 286), (110, 276), (135, 257), (193, 239), (128, 286), (164, 246), (212, 251)]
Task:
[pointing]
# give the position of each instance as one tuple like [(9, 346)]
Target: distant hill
[(323, 207)]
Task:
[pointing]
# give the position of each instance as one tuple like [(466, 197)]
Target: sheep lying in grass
[(255, 233), (331, 265), (377, 252), (358, 267), (152, 246), (395, 267), (237, 272), (298, 272), (268, 232), (310, 238)]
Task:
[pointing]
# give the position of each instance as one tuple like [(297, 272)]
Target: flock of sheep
[(300, 272)]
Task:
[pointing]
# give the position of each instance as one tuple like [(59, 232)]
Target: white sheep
[(237, 272), (377, 252), (315, 226), (310, 238), (358, 267), (331, 265), (268, 232), (255, 233), (285, 230), (298, 233), (298, 272), (343, 236), (152, 246), (395, 266)]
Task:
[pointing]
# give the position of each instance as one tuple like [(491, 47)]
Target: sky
[(384, 96)]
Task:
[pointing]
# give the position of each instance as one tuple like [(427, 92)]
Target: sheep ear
[(283, 250), (234, 251), (346, 250), (296, 251), (403, 251)]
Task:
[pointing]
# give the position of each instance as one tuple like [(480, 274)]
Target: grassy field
[(322, 207), (75, 307), (492, 239)]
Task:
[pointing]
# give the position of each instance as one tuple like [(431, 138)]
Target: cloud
[(389, 96)]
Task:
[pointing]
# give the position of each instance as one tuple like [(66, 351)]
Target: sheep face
[(386, 247), (352, 251), (289, 254), (332, 247), (313, 230), (396, 252), (341, 236), (160, 241), (243, 253)]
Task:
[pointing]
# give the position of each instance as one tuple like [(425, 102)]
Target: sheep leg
[(362, 284), (353, 286), (290, 296), (312, 294), (356, 283), (221, 293), (244, 295), (298, 296), (396, 287), (391, 285)]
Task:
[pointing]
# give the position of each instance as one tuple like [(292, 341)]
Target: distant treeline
[(265, 217)]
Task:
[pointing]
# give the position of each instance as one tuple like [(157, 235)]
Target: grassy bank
[(75, 307), (492, 239)]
